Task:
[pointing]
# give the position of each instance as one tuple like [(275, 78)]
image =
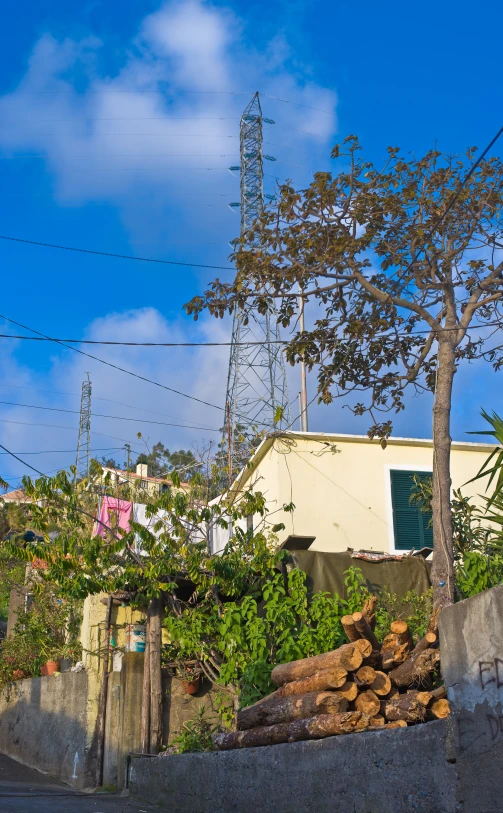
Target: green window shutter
[(412, 527)]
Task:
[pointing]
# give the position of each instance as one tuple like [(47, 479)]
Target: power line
[(70, 451), (95, 398), (204, 344), (109, 254), (115, 417), (115, 366), (138, 344), (70, 429)]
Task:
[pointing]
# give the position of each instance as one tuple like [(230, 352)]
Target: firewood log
[(349, 691), (369, 611), (439, 693), (381, 684), (365, 676), (439, 709), (368, 703), (405, 707), (323, 725), (416, 668), (401, 632), (377, 722), (428, 642), (395, 655), (287, 709), (364, 646), (396, 724), (374, 659), (324, 679), (347, 657), (365, 630), (349, 628), (424, 698)]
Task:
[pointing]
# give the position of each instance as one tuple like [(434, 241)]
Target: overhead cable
[(110, 254), (114, 366), (115, 417)]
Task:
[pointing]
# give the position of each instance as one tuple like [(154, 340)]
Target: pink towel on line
[(109, 507)]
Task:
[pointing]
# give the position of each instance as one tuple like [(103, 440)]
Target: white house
[(348, 492)]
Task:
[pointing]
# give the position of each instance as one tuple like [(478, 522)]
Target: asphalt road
[(23, 790)]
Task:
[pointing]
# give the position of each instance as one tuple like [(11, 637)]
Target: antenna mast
[(256, 383), (84, 442)]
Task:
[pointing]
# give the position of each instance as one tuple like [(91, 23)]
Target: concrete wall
[(340, 485), (448, 766), (44, 723), (471, 640), (381, 772)]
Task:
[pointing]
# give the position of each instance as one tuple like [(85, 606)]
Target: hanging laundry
[(113, 514)]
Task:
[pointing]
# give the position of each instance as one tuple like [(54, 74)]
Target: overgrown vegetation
[(47, 628)]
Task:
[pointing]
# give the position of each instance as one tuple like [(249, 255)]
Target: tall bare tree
[(404, 266)]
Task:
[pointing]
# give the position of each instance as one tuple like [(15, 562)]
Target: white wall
[(341, 487)]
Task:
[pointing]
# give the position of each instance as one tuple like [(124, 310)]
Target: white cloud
[(152, 129), (200, 372)]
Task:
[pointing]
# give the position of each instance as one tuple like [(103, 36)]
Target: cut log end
[(365, 675), (440, 709), (368, 703), (381, 684)]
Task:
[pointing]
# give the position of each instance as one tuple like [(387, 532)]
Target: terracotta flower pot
[(52, 666), (43, 670), (191, 686)]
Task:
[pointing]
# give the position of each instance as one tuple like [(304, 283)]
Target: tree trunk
[(347, 656), (287, 709), (145, 700), (442, 571), (154, 622), (102, 702), (324, 725)]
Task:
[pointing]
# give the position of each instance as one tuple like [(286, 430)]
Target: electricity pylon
[(256, 382), (84, 442)]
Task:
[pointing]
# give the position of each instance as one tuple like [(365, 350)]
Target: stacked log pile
[(363, 685)]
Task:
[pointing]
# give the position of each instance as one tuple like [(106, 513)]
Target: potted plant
[(52, 654), (191, 675)]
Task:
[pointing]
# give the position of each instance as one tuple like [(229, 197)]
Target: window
[(411, 526), (143, 483)]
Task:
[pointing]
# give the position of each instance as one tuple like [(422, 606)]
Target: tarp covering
[(325, 572)]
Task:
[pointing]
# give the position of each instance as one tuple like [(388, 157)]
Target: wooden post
[(102, 702), (145, 700), (154, 623)]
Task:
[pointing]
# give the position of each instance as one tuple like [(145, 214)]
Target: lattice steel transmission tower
[(84, 442), (256, 383)]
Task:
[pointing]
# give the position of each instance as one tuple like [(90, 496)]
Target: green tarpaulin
[(325, 572)]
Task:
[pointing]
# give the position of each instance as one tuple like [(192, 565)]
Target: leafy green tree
[(403, 265)]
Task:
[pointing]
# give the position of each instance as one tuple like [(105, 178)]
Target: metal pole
[(303, 379), (229, 444)]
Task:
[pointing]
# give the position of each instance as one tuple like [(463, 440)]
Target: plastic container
[(135, 637)]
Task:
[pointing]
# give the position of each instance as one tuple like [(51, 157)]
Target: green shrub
[(195, 734)]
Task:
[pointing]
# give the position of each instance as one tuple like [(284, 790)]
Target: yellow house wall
[(343, 497)]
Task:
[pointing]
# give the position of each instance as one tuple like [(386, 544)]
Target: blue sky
[(117, 125)]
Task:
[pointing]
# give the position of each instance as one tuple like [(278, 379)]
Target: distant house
[(140, 478), (16, 497), (348, 492)]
